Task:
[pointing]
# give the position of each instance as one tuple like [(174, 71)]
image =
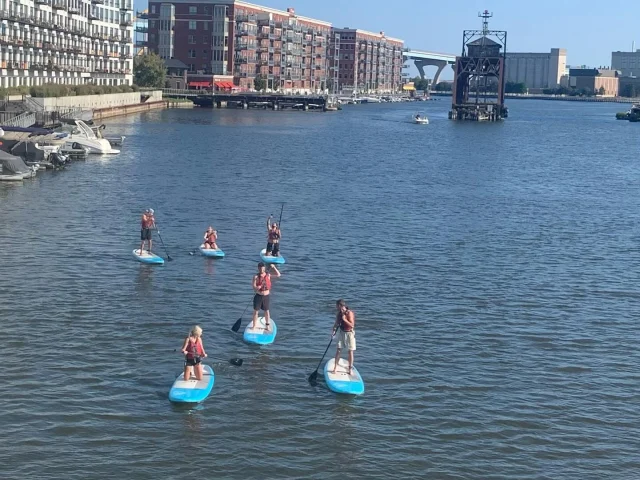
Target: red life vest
[(264, 282), (193, 349)]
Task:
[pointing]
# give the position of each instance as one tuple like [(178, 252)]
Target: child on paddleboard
[(194, 353)]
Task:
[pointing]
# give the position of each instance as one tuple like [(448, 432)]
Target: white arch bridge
[(422, 59)]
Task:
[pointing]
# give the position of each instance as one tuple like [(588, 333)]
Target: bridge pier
[(420, 64)]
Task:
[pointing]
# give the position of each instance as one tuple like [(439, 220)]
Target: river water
[(492, 267)]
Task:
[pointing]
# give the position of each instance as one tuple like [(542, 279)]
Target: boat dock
[(267, 101)]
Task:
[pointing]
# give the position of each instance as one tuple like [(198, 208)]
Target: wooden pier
[(266, 101)]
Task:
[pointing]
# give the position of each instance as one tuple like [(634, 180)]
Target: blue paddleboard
[(210, 252), (192, 391), (147, 257), (260, 335), (269, 259), (341, 381)]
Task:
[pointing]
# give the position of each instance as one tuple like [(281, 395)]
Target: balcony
[(92, 16), (42, 2), (141, 29), (128, 6), (126, 40), (97, 2), (74, 10), (125, 23), (125, 56)]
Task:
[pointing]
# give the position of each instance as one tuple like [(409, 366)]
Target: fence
[(23, 120)]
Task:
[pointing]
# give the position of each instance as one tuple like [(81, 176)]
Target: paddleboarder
[(210, 237), (262, 287), (345, 324), (193, 350), (273, 238), (147, 224)]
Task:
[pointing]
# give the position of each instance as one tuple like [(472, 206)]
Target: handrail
[(23, 120)]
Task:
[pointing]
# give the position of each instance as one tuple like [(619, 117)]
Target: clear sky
[(590, 30)]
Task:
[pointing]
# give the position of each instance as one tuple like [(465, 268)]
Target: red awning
[(199, 84), (230, 85), (224, 85)]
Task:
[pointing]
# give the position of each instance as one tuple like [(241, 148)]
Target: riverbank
[(566, 98)]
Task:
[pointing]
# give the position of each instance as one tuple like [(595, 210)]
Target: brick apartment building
[(363, 61), (240, 40)]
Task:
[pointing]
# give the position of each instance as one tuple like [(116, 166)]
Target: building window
[(205, 25), (193, 10), (192, 39), (152, 24), (153, 9), (192, 54), (192, 67), (205, 54), (192, 24), (205, 39), (206, 11)]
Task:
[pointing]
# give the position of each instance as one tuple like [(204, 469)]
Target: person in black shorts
[(147, 223), (262, 287), (273, 238)]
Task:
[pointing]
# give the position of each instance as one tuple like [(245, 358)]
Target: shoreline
[(559, 98)]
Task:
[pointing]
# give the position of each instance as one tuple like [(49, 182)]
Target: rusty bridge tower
[(479, 81)]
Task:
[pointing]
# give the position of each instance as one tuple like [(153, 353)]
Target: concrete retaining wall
[(96, 102), (127, 109)]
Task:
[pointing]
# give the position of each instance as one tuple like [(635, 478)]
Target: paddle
[(236, 326), (163, 246), (236, 362), (314, 376)]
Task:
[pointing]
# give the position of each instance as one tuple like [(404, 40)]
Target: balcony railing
[(97, 2), (125, 23), (141, 29), (59, 5)]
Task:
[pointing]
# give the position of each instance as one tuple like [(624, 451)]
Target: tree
[(259, 83), (515, 87), (149, 70), (443, 87), (330, 84), (601, 90), (629, 91), (421, 84)]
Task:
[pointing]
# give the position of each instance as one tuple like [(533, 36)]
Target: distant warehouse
[(536, 70)]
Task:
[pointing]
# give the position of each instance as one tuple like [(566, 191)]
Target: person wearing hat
[(262, 287), (147, 224)]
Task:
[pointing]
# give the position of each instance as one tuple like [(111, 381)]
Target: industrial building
[(592, 80), (627, 63), (536, 70)]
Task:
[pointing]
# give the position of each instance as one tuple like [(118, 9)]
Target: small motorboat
[(420, 119), (13, 169)]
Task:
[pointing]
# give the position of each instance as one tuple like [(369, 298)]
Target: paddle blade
[(236, 326), (313, 378), (236, 362)]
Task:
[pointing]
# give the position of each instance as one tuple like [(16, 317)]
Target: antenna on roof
[(485, 21)]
